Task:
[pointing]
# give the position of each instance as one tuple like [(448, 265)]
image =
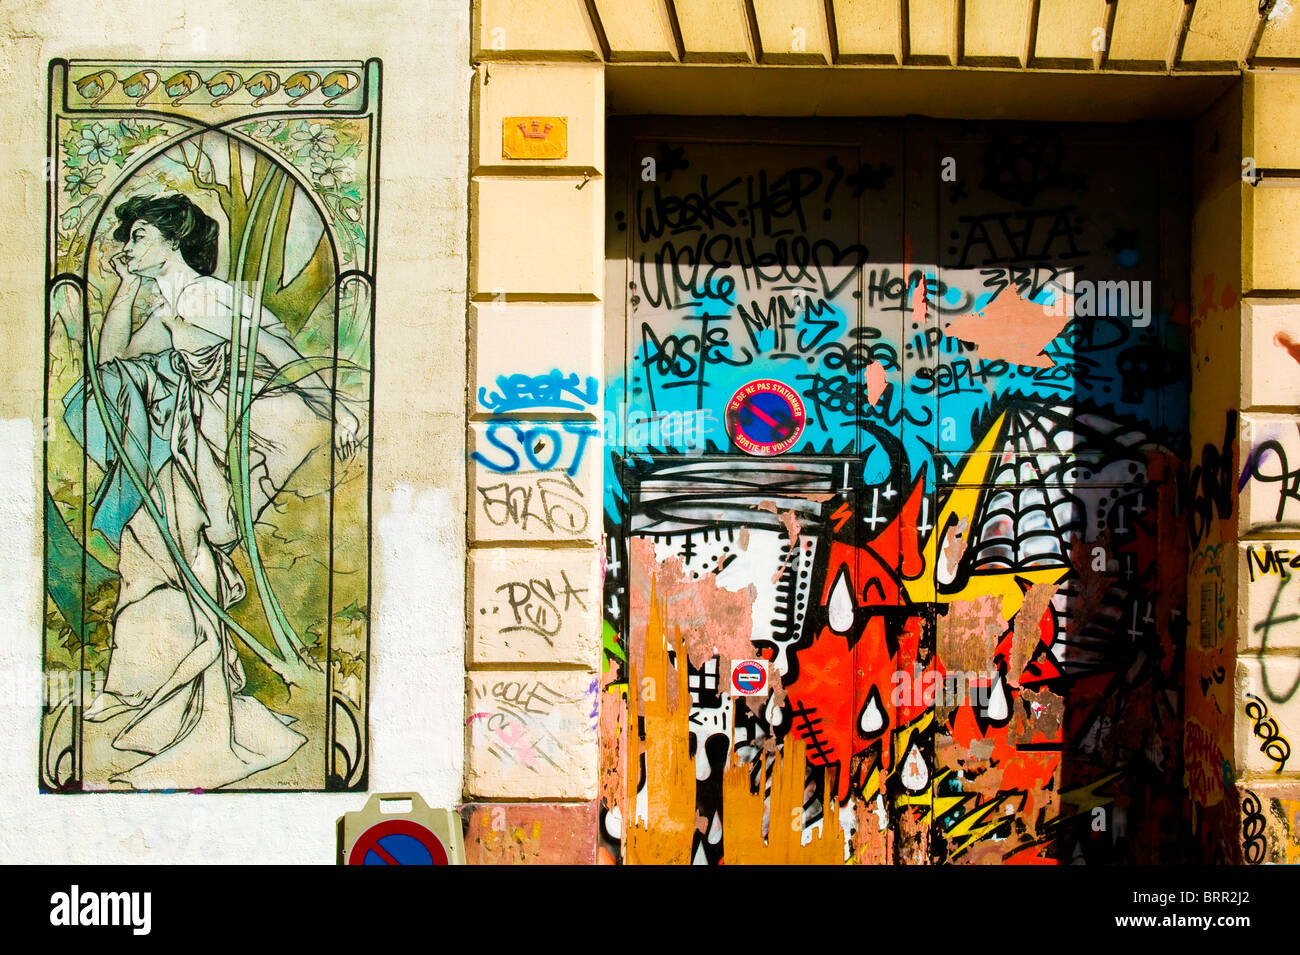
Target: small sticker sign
[(749, 677), (765, 417)]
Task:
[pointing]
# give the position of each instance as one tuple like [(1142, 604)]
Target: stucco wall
[(417, 659)]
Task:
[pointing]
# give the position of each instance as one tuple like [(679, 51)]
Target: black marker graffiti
[(1020, 236), (1264, 628), (552, 504), (1217, 676), (1209, 490), (1274, 745), (1289, 480), (1252, 829), (673, 278), (535, 604)]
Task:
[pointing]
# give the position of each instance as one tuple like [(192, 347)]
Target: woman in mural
[(197, 433)]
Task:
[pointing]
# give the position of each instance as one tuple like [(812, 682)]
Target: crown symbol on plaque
[(535, 130)]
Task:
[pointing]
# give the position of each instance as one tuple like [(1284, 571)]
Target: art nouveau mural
[(207, 473)]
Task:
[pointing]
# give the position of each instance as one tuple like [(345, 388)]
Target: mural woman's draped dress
[(174, 678)]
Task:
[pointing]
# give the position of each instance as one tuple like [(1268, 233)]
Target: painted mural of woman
[(197, 433)]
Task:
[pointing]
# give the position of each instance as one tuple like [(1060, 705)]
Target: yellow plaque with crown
[(535, 137)]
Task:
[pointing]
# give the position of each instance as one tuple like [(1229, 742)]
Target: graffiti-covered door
[(892, 573)]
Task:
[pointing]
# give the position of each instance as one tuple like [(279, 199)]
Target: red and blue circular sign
[(749, 677), (765, 417), (398, 842)]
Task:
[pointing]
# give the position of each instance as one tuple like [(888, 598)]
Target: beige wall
[(1266, 697), (419, 443), (535, 518)]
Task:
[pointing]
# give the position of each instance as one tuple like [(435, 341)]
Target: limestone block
[(1066, 32), (575, 91), (793, 31), (1268, 715), (535, 606), (537, 236), (714, 31), (536, 358), (637, 30), (532, 734), (995, 31), (932, 31), (868, 31), (535, 480), (1268, 449), (531, 833), (1272, 111), (1270, 823), (516, 27), (1272, 352), (1272, 227), (1143, 33), (1219, 32), (1268, 591), (1281, 37)]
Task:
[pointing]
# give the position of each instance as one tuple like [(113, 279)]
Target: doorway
[(895, 413)]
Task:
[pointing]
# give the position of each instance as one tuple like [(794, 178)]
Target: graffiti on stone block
[(538, 729), (1270, 825)]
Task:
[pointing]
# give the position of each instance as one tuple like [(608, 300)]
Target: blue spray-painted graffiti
[(550, 392)]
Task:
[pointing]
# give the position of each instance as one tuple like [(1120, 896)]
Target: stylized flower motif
[(97, 144), (350, 209), (332, 173), (314, 138), (80, 182), (68, 221), (271, 128)]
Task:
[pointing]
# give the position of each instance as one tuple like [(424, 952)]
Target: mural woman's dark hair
[(179, 220)]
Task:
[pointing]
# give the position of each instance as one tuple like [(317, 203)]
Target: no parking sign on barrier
[(400, 829)]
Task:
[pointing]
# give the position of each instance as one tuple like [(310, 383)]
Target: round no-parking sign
[(765, 417), (398, 842), (749, 677), (400, 829)]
